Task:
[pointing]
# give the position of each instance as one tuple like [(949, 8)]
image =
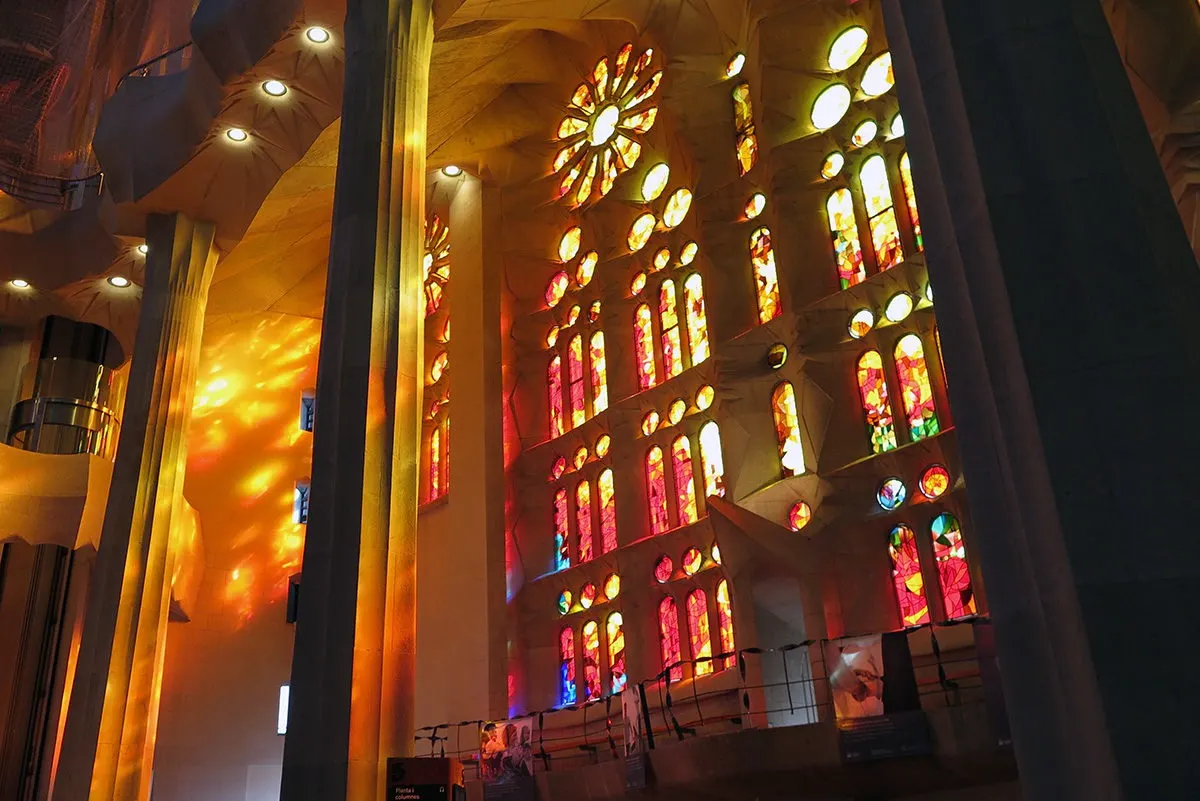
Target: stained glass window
[(935, 481), (599, 366), (847, 249), (676, 410), (668, 637), (668, 313), (656, 491), (612, 586), (554, 387), (556, 289), (891, 494), (564, 602), (685, 486), (587, 595), (435, 464), (885, 234), (608, 511), (906, 576), (800, 515), (766, 278), (436, 263), (712, 462), (787, 429), (872, 388), (954, 574), (678, 205), (591, 661), (566, 667), (697, 318), (693, 560), (915, 391), (643, 340), (701, 639), (663, 569), (616, 651), (575, 375), (562, 534), (910, 198), (743, 120), (583, 519), (725, 622)]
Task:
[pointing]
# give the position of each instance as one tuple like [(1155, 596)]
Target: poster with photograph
[(856, 672), (506, 750), (631, 712)]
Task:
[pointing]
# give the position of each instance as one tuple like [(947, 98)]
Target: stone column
[(1064, 288), (108, 743), (352, 666)]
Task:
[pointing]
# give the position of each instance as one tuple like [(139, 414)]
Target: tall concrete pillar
[(352, 682), (108, 743), (1065, 290)]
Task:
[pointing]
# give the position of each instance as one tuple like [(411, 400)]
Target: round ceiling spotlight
[(237, 135), (119, 281), (275, 88), (19, 283), (143, 248), (452, 171), (317, 35)]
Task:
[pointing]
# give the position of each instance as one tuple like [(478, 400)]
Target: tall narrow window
[(591, 661), (685, 482), (766, 278), (656, 491), (907, 581), (562, 534), (668, 313), (575, 374), (915, 391), (668, 637), (436, 263), (615, 630), (847, 249), (910, 198), (743, 120), (712, 462), (954, 573), (885, 233), (608, 511), (566, 667), (697, 318), (300, 502), (583, 520), (872, 388), (435, 464), (554, 388), (697, 611), (643, 340), (308, 410), (599, 366), (787, 429), (725, 622)]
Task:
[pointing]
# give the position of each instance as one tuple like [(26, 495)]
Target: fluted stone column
[(1065, 292), (353, 664), (108, 744)]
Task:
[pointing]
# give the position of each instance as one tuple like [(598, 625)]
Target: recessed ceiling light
[(143, 248), (275, 88), (452, 170), (237, 135), (19, 283), (317, 35), (118, 281)]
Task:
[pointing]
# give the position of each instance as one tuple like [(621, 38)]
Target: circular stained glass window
[(438, 368), (640, 231), (587, 596), (655, 181), (877, 78), (650, 422), (612, 586), (861, 323), (564, 602), (935, 481), (704, 397), (586, 268), (897, 129), (832, 166), (573, 316), (677, 208), (661, 259), (580, 458), (735, 65), (568, 246), (892, 494), (560, 467), (929, 292), (676, 410), (552, 336), (693, 560), (830, 106), (716, 554), (865, 133), (602, 445), (556, 289), (594, 311), (688, 254), (755, 205), (663, 569), (899, 306), (800, 515), (847, 48)]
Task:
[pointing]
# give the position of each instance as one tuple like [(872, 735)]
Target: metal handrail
[(140, 70), (29, 420)]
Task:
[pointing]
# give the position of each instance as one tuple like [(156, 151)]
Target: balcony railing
[(64, 426)]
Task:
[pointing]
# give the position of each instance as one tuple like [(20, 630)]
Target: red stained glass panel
[(599, 366), (583, 520), (701, 638), (685, 483), (954, 573), (575, 373), (554, 389), (562, 548), (725, 622), (872, 389), (907, 581), (668, 314), (608, 511), (616, 651), (643, 342), (668, 637), (656, 491), (566, 667), (915, 390), (591, 661)]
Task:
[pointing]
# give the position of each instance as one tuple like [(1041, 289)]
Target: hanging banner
[(506, 750)]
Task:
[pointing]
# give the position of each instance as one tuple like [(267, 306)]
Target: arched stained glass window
[(608, 510), (907, 581), (656, 491), (668, 637), (847, 248), (668, 313), (616, 651), (910, 198), (435, 464), (698, 633), (685, 484), (872, 388), (725, 622), (436, 263), (566, 667), (591, 661), (562, 534), (954, 573), (583, 520), (885, 233), (743, 120), (787, 429), (643, 341), (766, 277), (915, 391), (599, 365), (555, 389), (697, 318), (575, 375), (712, 461)]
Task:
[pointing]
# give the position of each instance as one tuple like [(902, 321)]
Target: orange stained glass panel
[(591, 661), (725, 622), (907, 581), (669, 315), (787, 429), (847, 248), (685, 483), (583, 520), (435, 464), (766, 277), (910, 198), (562, 534), (872, 389), (877, 195), (916, 393), (656, 491), (698, 633), (608, 510), (575, 374), (616, 651), (668, 637), (599, 367), (643, 340), (697, 318), (555, 389), (743, 120)]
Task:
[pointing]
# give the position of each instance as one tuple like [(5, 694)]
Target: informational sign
[(423, 779), (875, 698), (885, 737)]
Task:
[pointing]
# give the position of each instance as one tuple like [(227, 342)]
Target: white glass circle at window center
[(604, 124), (847, 49), (831, 105), (899, 306)]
